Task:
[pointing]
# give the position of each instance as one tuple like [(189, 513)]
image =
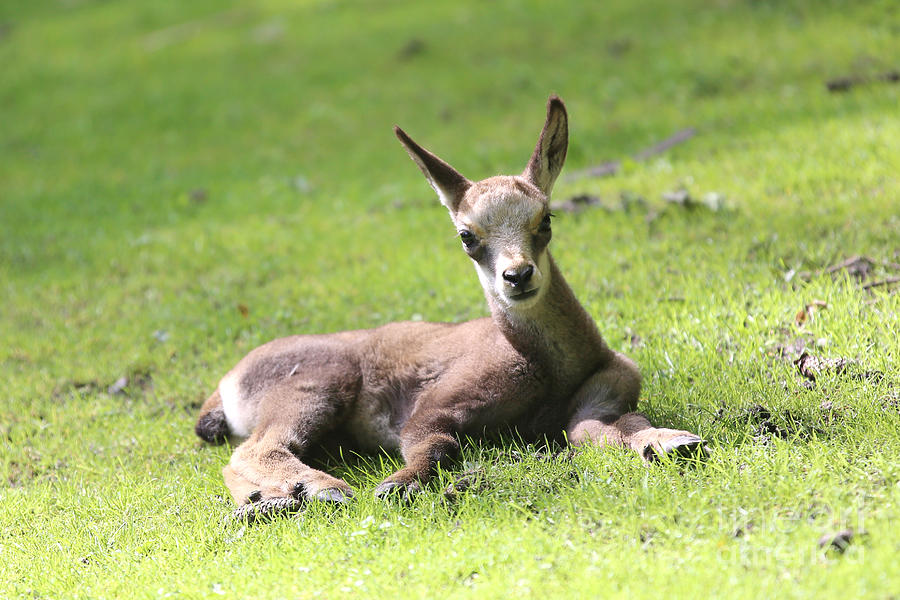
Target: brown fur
[(537, 364)]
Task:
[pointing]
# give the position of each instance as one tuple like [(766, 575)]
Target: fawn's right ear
[(446, 181)]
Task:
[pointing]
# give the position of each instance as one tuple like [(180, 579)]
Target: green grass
[(184, 181)]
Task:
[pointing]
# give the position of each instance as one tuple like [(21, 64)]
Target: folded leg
[(268, 464), (634, 430)]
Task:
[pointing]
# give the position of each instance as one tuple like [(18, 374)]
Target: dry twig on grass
[(612, 167)]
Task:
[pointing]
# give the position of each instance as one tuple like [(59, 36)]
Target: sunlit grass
[(184, 181)]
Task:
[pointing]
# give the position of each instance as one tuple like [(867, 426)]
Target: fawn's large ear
[(446, 181), (550, 152)]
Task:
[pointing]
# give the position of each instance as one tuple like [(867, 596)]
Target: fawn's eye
[(468, 238), (545, 223)]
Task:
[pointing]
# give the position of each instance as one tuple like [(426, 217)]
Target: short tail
[(212, 426)]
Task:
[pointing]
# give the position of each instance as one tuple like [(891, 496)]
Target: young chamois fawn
[(537, 364)]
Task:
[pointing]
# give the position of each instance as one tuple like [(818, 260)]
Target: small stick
[(842, 84), (881, 282), (659, 148), (853, 260), (612, 167), (850, 262)]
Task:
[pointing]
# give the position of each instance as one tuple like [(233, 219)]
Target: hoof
[(682, 446), (265, 510), (389, 490), (334, 495)]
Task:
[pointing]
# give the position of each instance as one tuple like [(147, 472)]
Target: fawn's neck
[(557, 329)]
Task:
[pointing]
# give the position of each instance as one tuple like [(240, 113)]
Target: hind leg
[(268, 464)]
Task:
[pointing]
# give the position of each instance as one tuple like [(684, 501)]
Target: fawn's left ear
[(550, 153), (446, 181)]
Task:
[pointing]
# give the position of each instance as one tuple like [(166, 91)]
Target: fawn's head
[(504, 221)]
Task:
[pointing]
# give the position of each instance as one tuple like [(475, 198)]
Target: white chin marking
[(521, 303)]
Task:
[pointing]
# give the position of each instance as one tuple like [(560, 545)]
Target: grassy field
[(180, 182)]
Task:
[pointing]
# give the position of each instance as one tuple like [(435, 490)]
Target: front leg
[(425, 441), (603, 415), (634, 430)]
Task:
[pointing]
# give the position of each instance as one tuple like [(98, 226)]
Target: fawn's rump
[(362, 384), (322, 380)]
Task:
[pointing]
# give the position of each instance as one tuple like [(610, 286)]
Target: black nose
[(520, 276)]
